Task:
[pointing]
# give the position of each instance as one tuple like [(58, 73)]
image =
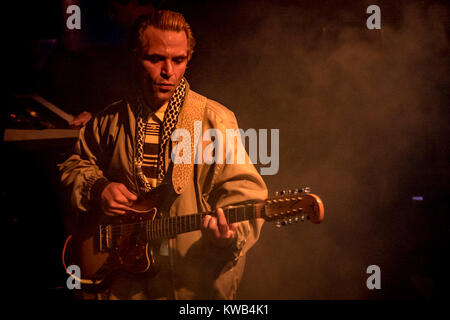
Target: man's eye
[(178, 60), (153, 59)]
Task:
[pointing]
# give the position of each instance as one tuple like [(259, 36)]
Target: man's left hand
[(218, 229)]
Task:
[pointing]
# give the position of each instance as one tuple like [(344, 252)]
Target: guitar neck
[(273, 209), (170, 227)]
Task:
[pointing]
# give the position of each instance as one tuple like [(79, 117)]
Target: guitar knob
[(277, 193), (302, 217), (295, 190), (306, 190), (296, 219), (290, 221), (289, 191), (278, 224)]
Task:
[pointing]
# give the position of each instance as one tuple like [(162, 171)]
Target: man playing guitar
[(123, 155)]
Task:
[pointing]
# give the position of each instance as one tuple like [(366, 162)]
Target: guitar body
[(113, 243)]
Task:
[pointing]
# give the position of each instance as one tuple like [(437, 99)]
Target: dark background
[(363, 119)]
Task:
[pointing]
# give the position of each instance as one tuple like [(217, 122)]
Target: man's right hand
[(116, 199)]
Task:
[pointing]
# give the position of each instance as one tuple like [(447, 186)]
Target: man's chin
[(159, 96), (164, 96)]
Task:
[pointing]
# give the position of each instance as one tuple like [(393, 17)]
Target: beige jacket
[(196, 268)]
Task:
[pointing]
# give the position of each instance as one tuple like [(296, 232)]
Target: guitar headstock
[(294, 205)]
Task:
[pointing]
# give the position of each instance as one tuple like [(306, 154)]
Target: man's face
[(163, 64)]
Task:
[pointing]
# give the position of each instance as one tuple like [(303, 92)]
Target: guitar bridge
[(105, 237)]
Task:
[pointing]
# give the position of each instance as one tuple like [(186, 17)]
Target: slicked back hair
[(164, 20)]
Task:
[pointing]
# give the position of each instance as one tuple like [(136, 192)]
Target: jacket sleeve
[(81, 174), (236, 180)]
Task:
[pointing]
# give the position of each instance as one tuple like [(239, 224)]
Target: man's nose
[(167, 69)]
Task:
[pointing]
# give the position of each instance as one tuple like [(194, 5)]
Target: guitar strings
[(155, 225), (161, 225)]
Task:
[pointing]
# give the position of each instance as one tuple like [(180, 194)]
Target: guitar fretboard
[(170, 227)]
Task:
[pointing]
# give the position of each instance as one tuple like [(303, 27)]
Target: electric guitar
[(129, 242)]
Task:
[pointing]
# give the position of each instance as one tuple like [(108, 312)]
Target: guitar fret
[(176, 224), (166, 227), (181, 224), (173, 227)]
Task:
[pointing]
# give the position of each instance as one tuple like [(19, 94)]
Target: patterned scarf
[(170, 120)]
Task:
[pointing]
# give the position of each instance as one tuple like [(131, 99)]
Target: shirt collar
[(160, 112)]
